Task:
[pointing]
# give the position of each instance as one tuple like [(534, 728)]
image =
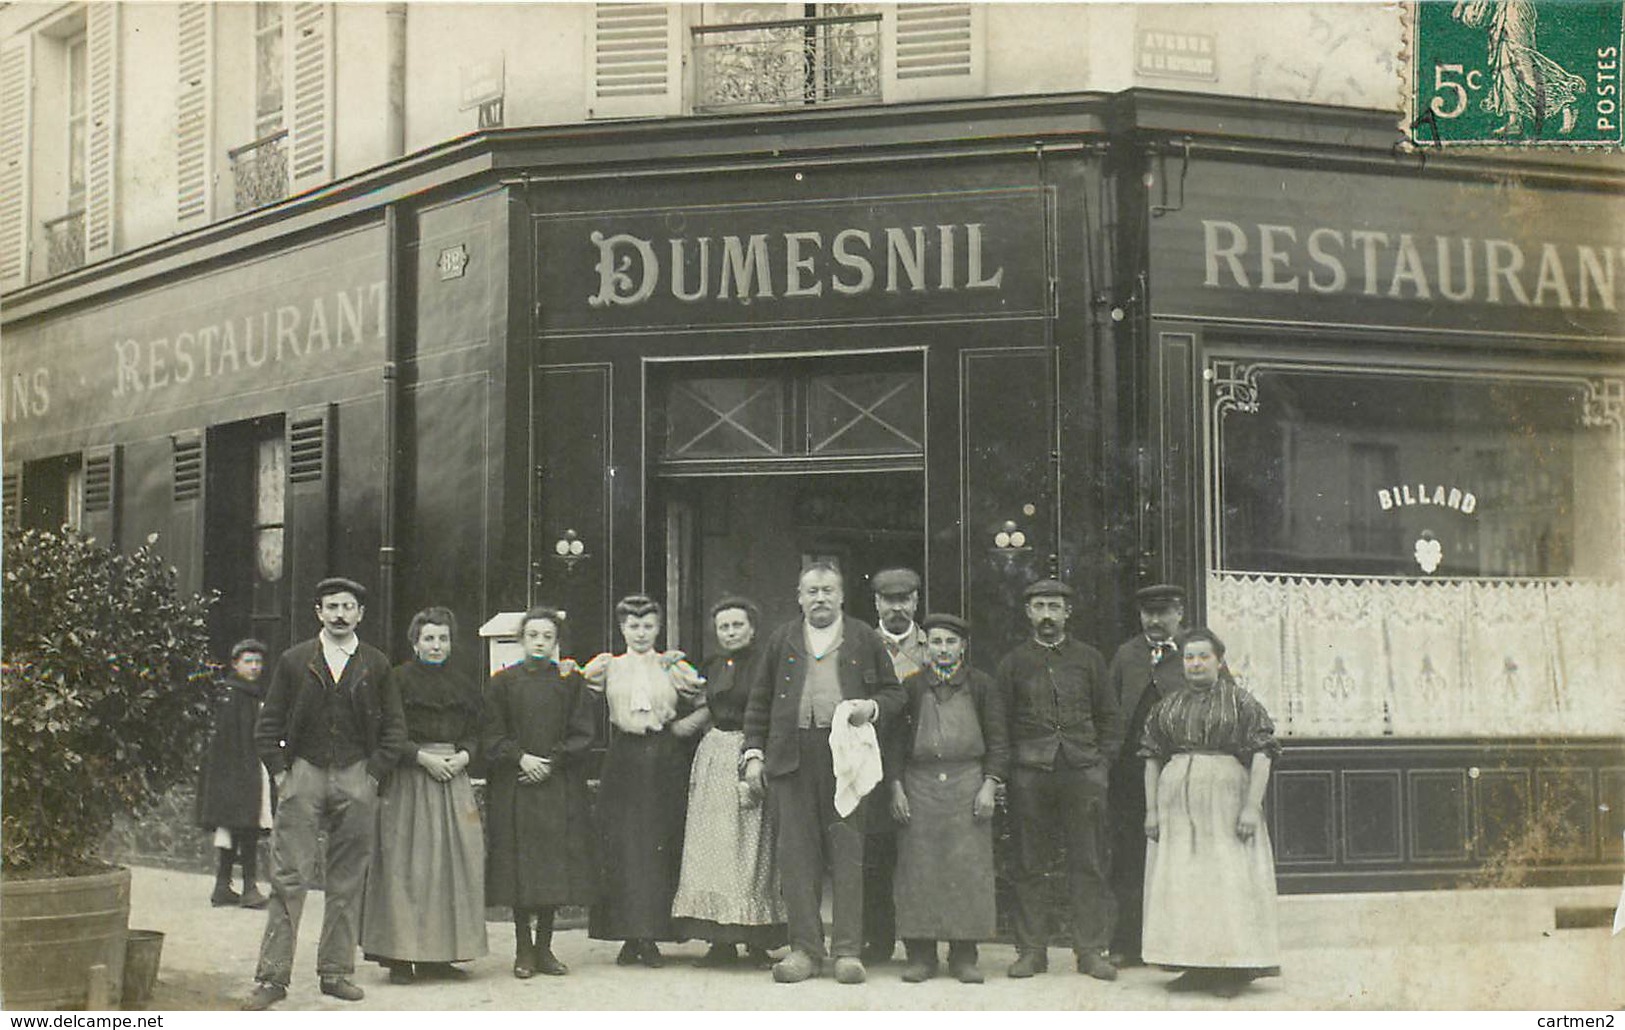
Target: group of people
[(874, 756)]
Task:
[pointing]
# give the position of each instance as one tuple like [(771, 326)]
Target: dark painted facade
[(992, 340)]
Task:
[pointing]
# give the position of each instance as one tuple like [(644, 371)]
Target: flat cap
[(1159, 595), (247, 645), (338, 585), (1048, 588), (895, 581), (946, 620)]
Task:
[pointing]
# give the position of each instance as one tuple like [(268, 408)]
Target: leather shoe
[(441, 971), (1027, 964), (400, 973), (795, 967), (1190, 980), (548, 964), (524, 965), (650, 955), (1124, 960), (718, 956), (252, 898), (342, 988), (966, 973), (631, 954), (849, 970), (1093, 963), (223, 896), (919, 972), (264, 995)]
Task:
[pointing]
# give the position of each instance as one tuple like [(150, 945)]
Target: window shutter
[(184, 546), (102, 58), (194, 116), (15, 118), (310, 130), (11, 497), (312, 445), (101, 494), (636, 61), (934, 51)]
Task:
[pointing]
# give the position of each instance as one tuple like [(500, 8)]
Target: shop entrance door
[(780, 464)]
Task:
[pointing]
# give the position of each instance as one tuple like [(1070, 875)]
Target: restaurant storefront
[(1367, 410)]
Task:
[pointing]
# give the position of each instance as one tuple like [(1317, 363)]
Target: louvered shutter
[(312, 446), (100, 518), (636, 61), (16, 111), (310, 130), (11, 496), (934, 51), (194, 116), (101, 148), (184, 547)]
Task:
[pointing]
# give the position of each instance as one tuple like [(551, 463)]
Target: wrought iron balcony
[(793, 62), (260, 171), (64, 243)]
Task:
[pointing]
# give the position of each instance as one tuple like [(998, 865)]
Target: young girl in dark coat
[(233, 794), (539, 726)]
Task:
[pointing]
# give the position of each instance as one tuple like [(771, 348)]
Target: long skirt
[(425, 898), (944, 880), (1209, 896), (729, 889), (641, 799)]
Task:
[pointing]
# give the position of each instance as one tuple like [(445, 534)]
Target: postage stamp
[(1515, 73)]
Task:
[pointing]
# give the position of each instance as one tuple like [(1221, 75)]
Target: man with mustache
[(1065, 730), (808, 667), (897, 598), (328, 733)]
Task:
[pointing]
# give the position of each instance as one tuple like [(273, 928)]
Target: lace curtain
[(1371, 658)]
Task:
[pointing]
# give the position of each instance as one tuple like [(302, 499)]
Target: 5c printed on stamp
[(1516, 73)]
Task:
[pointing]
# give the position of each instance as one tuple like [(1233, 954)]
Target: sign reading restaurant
[(976, 253), (1284, 244)]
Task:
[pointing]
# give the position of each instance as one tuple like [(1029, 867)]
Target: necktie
[(1159, 650)]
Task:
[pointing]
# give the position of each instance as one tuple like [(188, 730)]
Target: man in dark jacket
[(1064, 734), (1144, 671), (808, 668), (327, 734)]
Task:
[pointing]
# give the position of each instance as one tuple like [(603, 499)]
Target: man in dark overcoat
[(897, 599), (808, 668), (328, 734), (1065, 731), (1143, 671)]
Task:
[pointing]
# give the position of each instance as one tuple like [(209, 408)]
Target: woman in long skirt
[(539, 727), (425, 903), (945, 756), (655, 711), (1210, 871), (728, 892)]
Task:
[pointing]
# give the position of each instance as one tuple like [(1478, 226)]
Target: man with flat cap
[(328, 733), (897, 598), (1145, 669), (1064, 732)]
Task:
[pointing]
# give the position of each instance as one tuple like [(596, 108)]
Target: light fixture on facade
[(570, 548)]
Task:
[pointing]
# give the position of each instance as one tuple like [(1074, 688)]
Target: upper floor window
[(78, 93), (777, 55), (268, 68)]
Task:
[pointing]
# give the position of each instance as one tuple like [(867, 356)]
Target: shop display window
[(1418, 553)]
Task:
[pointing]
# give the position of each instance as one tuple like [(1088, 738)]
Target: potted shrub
[(103, 696)]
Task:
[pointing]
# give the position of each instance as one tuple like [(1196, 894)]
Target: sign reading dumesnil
[(970, 254), (1510, 72)]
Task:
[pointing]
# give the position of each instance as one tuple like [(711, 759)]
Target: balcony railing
[(64, 243), (260, 170), (794, 62)]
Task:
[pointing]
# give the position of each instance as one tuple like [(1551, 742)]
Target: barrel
[(62, 941)]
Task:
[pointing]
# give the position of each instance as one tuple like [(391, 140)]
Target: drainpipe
[(395, 101), (394, 283)]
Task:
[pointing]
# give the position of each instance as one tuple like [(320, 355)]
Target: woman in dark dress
[(539, 725), (1209, 868), (233, 794), (655, 711), (728, 893), (425, 903)]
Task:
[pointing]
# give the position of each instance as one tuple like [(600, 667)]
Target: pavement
[(1426, 950)]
